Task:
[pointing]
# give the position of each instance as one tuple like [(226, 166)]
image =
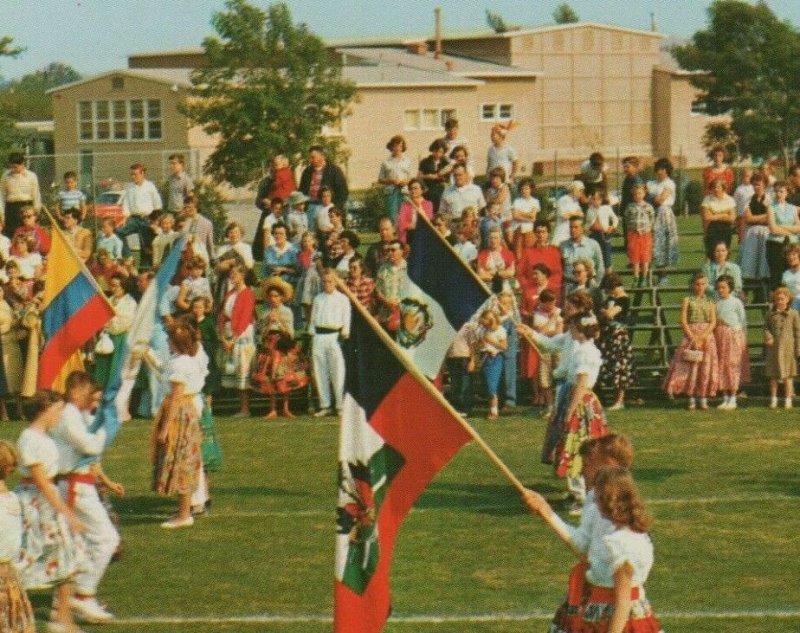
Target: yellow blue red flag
[(74, 310)]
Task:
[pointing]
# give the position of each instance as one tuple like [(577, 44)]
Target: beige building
[(573, 89)]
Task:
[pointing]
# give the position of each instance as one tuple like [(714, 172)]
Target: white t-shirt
[(501, 157), (527, 206)]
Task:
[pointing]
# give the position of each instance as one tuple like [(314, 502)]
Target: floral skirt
[(177, 461), (279, 373), (617, 370), (588, 421), (16, 614), (665, 238), (596, 610), (734, 360), (694, 379), (51, 553)]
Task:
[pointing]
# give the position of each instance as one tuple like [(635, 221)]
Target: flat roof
[(397, 76)]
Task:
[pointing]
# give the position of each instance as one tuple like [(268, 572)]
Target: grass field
[(724, 490)]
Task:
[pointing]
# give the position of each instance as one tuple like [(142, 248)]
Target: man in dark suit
[(317, 173)]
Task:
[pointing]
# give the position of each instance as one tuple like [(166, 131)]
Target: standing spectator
[(537, 249), (568, 207), (278, 184), (791, 276), (395, 173), (719, 215), (179, 184), (665, 229), (139, 200), (640, 220), (488, 223), (579, 246), (509, 317), (782, 340), (162, 243), (198, 227), (391, 286), (546, 320), (410, 210), (718, 170), (793, 180), (360, 285), (524, 210), (452, 138), (459, 156), (233, 251), (11, 366), (70, 197), (319, 172), (731, 339), (718, 266), (236, 335), (493, 344), (377, 253), (783, 221), (322, 222), (297, 219), (594, 172), (281, 258), (498, 193), (744, 192), (694, 369), (461, 365), (496, 263), (460, 195), (308, 281), (430, 172), (753, 250), (602, 223), (19, 187), (330, 322), (630, 167), (614, 343), (5, 243), (348, 242), (500, 154), (124, 308)]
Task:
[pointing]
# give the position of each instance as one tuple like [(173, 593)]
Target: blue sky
[(97, 35)]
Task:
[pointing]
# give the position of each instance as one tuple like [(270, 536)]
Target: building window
[(120, 120), (497, 112), (427, 118)]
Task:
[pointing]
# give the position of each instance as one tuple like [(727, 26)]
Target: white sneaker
[(175, 522), (731, 404), (617, 406), (322, 413), (726, 404), (773, 403), (89, 610), (787, 403)]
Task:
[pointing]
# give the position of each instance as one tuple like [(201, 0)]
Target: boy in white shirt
[(602, 223)]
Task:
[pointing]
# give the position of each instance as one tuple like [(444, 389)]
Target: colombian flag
[(74, 310)]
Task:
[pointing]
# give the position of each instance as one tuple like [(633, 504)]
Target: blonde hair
[(8, 459), (618, 498)]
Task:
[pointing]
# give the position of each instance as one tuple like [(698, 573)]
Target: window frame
[(152, 118)]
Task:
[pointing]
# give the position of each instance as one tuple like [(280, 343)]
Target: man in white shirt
[(78, 487), (330, 319), (19, 187), (139, 201), (460, 195)]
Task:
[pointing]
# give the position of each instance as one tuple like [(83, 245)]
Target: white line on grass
[(536, 615), (254, 514)]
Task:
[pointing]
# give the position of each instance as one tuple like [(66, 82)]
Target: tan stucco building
[(573, 89)]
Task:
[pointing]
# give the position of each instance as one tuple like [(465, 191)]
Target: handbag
[(693, 355), (104, 345)]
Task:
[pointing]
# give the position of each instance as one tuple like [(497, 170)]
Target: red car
[(107, 205)]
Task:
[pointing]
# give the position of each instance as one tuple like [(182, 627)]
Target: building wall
[(383, 110), (595, 88), (111, 159)]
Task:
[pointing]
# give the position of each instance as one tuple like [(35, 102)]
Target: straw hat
[(296, 197), (276, 283)]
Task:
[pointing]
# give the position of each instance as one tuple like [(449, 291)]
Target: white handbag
[(104, 345)]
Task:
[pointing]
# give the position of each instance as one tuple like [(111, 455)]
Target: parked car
[(107, 205)]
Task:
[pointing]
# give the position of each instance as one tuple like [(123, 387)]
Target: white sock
[(732, 400), (703, 402), (692, 400), (773, 401)]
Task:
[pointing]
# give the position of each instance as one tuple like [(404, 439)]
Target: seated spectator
[(104, 269), (410, 209), (80, 238), (377, 253), (791, 276), (360, 285), (391, 286), (465, 249), (331, 240), (108, 240), (718, 170), (30, 227), (349, 243), (719, 265), (29, 262), (460, 195), (442, 227), (297, 218), (567, 208), (492, 220), (783, 221), (194, 286), (5, 243), (497, 192), (580, 246), (233, 251), (471, 224), (322, 219), (524, 210), (165, 237)]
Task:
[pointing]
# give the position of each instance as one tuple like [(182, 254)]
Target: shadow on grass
[(656, 475), (775, 483), (489, 499)]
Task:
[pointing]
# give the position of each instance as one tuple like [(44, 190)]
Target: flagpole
[(475, 276), (81, 263), (436, 395)]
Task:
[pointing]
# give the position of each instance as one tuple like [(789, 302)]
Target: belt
[(606, 594), (72, 480), (327, 330)]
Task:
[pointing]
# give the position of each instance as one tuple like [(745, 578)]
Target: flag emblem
[(415, 321)]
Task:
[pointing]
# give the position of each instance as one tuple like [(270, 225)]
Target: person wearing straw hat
[(279, 368), (296, 219)]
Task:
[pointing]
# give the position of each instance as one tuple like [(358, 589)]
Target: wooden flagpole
[(461, 261), (436, 395)]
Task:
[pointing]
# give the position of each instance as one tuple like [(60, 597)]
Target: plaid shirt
[(364, 290), (639, 218)]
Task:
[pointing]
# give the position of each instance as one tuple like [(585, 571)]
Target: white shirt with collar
[(332, 311), (74, 440), (140, 200)]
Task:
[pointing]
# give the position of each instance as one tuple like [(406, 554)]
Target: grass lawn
[(723, 488)]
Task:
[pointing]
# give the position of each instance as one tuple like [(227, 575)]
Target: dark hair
[(727, 279), (757, 177), (450, 124), (75, 213), (278, 225), (178, 158), (612, 280), (77, 379), (16, 158), (589, 330), (351, 237), (139, 167), (317, 148), (40, 402), (665, 164), (581, 300), (498, 171), (631, 160), (541, 223), (698, 275), (276, 200), (546, 296), (70, 174), (596, 159), (397, 138), (542, 268), (437, 144), (414, 181), (526, 181), (232, 225)]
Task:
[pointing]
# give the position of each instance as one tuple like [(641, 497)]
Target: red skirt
[(734, 360)]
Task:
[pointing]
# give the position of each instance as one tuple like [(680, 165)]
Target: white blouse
[(586, 359), (10, 527), (622, 546), (37, 448)]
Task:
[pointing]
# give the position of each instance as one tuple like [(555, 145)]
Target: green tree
[(8, 135), (565, 14), (269, 88), (750, 63), (496, 21), (26, 99)]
